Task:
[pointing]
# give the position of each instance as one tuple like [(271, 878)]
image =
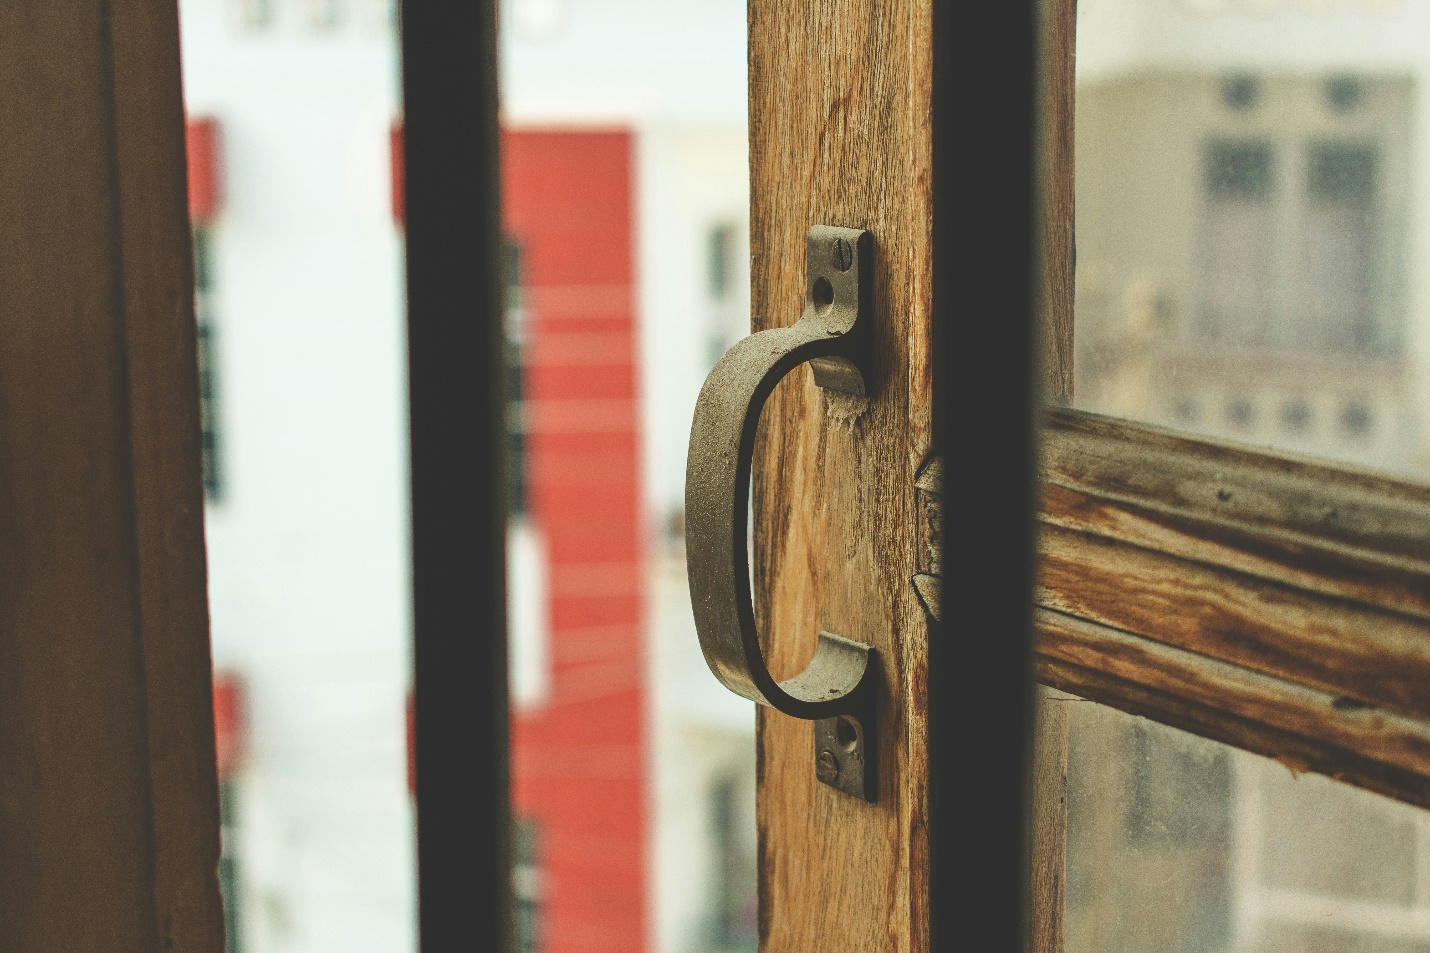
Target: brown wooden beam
[(1269, 601), (108, 796)]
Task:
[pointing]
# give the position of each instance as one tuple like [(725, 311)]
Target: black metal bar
[(986, 386), (455, 364)]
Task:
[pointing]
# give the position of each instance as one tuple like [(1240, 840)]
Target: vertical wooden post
[(1047, 891), (839, 102), (108, 794), (1048, 869), (1057, 43)]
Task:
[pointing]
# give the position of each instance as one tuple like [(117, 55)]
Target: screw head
[(843, 254), (826, 767)]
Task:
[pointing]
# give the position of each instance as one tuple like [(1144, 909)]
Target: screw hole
[(823, 293), (845, 731)]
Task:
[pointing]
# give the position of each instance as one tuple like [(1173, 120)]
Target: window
[(536, 20), (1340, 261), (728, 321), (1248, 230), (209, 411), (526, 885), (515, 379), (736, 895), (1236, 267), (320, 14), (229, 874), (1240, 237)]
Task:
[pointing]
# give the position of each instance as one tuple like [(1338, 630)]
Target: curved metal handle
[(834, 335)]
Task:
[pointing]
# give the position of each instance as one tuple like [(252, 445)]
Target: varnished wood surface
[(839, 106), (1304, 729), (1269, 601), (108, 806)]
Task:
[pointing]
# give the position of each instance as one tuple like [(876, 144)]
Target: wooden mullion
[(1297, 497), (1304, 729)]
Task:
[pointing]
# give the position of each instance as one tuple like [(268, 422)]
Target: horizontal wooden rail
[(1268, 601)]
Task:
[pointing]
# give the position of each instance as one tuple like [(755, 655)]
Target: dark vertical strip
[(455, 348), (986, 386), (126, 430)]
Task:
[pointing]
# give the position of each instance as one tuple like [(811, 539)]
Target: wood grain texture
[(1049, 829), (108, 810), (839, 112), (1228, 590), (1304, 729), (1048, 863), (1055, 160)]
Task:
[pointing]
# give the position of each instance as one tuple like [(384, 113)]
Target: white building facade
[(308, 532)]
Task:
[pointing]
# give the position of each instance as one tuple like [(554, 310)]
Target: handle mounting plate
[(834, 336)]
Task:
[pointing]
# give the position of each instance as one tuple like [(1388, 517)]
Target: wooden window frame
[(458, 433), (1272, 602)]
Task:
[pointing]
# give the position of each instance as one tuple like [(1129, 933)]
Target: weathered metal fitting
[(834, 336)]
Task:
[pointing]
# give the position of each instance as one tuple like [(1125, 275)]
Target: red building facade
[(579, 758)]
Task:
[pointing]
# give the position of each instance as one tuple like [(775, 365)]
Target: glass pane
[(1251, 187), (300, 305), (625, 205), (1177, 844)]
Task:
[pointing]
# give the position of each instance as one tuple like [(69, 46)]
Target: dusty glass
[(1252, 179), (1178, 844)]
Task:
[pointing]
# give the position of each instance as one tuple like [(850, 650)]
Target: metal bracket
[(834, 335)]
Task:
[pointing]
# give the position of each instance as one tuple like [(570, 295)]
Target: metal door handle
[(834, 336)]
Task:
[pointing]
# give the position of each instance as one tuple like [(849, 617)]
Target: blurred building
[(1250, 183), (1252, 222), (626, 213)]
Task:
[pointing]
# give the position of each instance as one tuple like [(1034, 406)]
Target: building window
[(1241, 93), (1319, 287), (526, 886), (228, 868), (1296, 416), (1240, 414), (1235, 260), (516, 414), (1343, 93), (320, 14), (1338, 281), (721, 249), (736, 894), (211, 445), (252, 14), (229, 735)]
